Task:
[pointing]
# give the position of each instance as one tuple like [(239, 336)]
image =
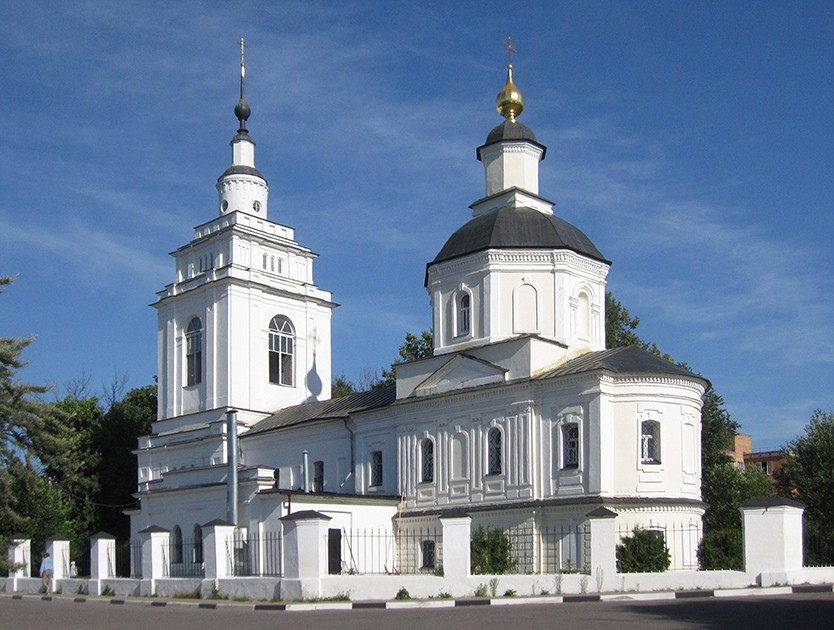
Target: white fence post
[(216, 556), (20, 556), (59, 550), (772, 537), (305, 554), (155, 561), (456, 546), (603, 561), (102, 559)]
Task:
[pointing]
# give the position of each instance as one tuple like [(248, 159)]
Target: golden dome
[(510, 100)]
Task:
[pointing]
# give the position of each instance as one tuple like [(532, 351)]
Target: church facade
[(521, 416)]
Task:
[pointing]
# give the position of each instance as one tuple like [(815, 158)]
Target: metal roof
[(335, 408), (517, 228)]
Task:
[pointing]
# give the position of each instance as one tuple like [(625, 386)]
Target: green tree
[(412, 349), (341, 386), (31, 431), (122, 425), (808, 474)]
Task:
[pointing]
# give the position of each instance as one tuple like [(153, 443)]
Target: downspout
[(231, 463), (352, 452)]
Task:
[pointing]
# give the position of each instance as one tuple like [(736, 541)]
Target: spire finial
[(510, 100), (242, 110), (511, 49)]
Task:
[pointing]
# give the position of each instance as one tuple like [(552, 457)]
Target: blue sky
[(693, 142)]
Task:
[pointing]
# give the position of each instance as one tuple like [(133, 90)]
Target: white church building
[(521, 416)]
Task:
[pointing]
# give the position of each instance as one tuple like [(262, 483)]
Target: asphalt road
[(782, 612)]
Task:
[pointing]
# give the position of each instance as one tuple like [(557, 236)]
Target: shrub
[(490, 552), (509, 593), (107, 591), (643, 552), (402, 594), (722, 549), (482, 590)]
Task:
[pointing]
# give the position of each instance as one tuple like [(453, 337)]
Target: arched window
[(494, 451), (176, 546), (194, 352), (427, 470), (464, 314), (281, 348), (650, 442), (198, 544)]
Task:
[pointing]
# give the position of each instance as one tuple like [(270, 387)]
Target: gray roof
[(517, 228), (240, 169), (629, 359), (511, 131), (336, 408)]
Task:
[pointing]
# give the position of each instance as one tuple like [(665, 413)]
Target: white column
[(305, 554), (603, 547), (217, 536), (772, 537), (456, 547)]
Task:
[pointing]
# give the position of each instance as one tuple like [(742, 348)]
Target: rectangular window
[(428, 551), (570, 445), (376, 468), (318, 476)]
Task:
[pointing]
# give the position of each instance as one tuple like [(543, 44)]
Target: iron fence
[(185, 557), (80, 559), (383, 551), (255, 553), (128, 560), (682, 542), (531, 549), (818, 547)]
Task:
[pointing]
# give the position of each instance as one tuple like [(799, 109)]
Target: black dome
[(517, 228), (510, 131)]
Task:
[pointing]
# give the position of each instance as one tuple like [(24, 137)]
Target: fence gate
[(334, 551)]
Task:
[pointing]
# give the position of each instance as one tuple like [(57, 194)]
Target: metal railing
[(531, 549), (383, 551), (185, 557), (128, 561), (682, 542), (255, 553)]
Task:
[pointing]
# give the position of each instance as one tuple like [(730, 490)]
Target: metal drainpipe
[(231, 460), (306, 472)]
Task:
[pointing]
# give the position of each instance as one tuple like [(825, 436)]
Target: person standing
[(46, 571)]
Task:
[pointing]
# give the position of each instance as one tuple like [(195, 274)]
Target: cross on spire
[(511, 49)]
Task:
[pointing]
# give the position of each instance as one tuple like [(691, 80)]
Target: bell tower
[(243, 325)]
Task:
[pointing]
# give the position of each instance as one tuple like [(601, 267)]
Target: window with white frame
[(318, 476), (281, 348), (494, 456), (570, 445), (427, 460), (376, 468), (194, 352), (650, 442), (464, 314)]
